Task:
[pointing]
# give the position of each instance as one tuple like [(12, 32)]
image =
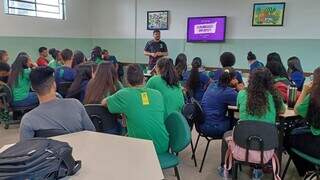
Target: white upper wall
[(77, 23), (116, 18)]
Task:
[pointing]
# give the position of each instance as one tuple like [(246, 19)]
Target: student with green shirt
[(96, 55), (19, 82), (143, 108), (167, 82), (259, 102), (56, 58), (307, 140)]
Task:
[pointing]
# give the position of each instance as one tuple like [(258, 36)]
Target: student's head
[(105, 54), (294, 65), (251, 57), (78, 58), (4, 57), (43, 52), (196, 63), (96, 53), (227, 59), (167, 71), (259, 88), (21, 62), (135, 75), (313, 114), (101, 84), (275, 57), (157, 35), (227, 78), (42, 82), (181, 63), (55, 54), (275, 68), (66, 55), (194, 78)]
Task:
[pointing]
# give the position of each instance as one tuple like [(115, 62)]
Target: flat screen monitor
[(206, 29)]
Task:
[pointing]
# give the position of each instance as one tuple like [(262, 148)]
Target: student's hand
[(154, 55), (158, 54), (307, 88), (104, 102)]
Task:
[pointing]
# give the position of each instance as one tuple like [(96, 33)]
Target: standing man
[(155, 49), (43, 55)]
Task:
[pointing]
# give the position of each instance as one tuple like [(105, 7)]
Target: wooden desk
[(106, 156)]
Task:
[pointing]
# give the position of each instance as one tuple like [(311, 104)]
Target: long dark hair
[(228, 74), (84, 73), (313, 115), (168, 72), (275, 57), (96, 53), (17, 68), (104, 81), (260, 85), (294, 65), (54, 53), (194, 78), (78, 58), (181, 64)]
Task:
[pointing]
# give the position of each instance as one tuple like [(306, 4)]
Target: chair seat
[(306, 157), (168, 160)]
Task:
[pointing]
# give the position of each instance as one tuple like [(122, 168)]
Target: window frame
[(62, 6)]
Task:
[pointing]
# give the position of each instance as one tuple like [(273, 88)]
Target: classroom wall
[(21, 33), (299, 36)]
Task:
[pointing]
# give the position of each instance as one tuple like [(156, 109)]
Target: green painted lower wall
[(129, 50)]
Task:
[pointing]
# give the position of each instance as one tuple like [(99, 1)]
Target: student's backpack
[(193, 112), (38, 158)]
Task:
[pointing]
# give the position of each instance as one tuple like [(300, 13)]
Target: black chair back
[(50, 133), (256, 135), (5, 94), (102, 119), (63, 88)]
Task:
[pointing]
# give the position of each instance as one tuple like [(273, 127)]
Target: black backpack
[(38, 158), (193, 112)]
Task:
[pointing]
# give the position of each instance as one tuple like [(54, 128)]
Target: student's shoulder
[(242, 93)]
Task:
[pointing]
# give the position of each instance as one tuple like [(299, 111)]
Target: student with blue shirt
[(215, 104), (295, 72), (196, 81), (253, 62)]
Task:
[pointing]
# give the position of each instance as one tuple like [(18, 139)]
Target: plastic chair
[(309, 158), (45, 133), (63, 88), (254, 135), (103, 120), (179, 138)]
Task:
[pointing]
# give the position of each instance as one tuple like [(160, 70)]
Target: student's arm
[(146, 53), (26, 131), (301, 104), (116, 103)]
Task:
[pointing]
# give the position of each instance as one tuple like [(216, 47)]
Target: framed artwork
[(158, 20), (268, 14)]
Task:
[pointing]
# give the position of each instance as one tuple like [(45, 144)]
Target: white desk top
[(288, 113), (106, 156)]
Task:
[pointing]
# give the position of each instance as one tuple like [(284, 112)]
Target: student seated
[(167, 82), (96, 55), (103, 84), (259, 102), (227, 59), (52, 113), (65, 73), (253, 62), (307, 140), (275, 57), (215, 104), (4, 66), (78, 88), (181, 65), (19, 82), (295, 72), (43, 55), (143, 108), (196, 81), (56, 58), (78, 58)]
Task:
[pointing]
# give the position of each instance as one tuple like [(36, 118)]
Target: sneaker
[(257, 174), (224, 173)]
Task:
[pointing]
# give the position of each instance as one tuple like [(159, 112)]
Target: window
[(38, 8)]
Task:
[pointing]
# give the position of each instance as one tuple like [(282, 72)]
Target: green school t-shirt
[(99, 61), (54, 64), (303, 111), (172, 96), (22, 86), (144, 110), (269, 117)]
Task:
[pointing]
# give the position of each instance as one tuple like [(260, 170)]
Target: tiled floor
[(187, 169)]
